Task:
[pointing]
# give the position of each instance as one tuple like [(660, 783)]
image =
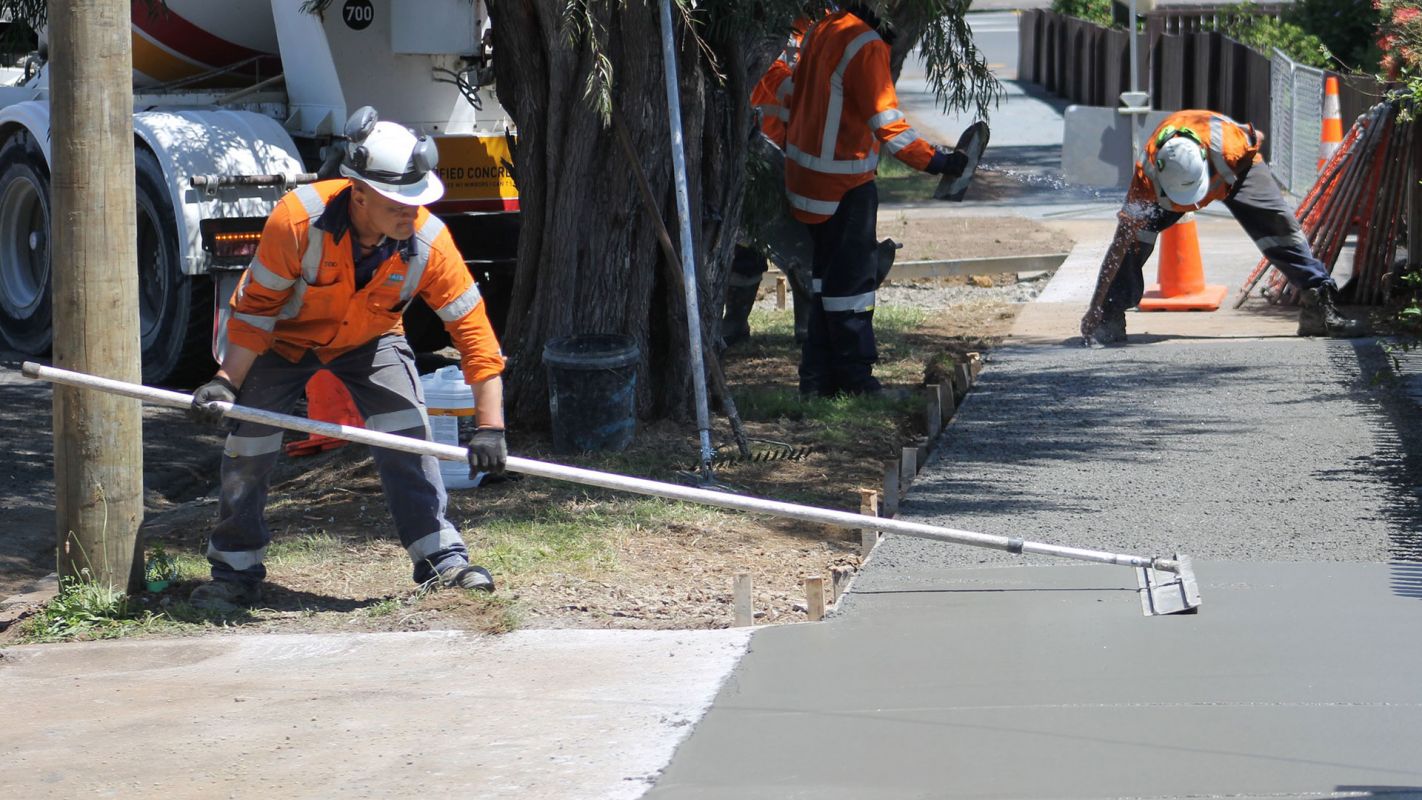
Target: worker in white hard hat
[(338, 262), (1191, 160)]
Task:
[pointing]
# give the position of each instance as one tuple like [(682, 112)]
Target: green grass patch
[(85, 609), (304, 549), (899, 183), (576, 536)]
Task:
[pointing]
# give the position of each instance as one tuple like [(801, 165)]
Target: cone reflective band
[(1332, 123)]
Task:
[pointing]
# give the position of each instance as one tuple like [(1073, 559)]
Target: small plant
[(159, 570), (86, 609)]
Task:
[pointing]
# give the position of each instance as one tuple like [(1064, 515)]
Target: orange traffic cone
[(1332, 123), (1182, 279), (327, 400)]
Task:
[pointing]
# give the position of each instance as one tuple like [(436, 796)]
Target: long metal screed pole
[(1179, 566)]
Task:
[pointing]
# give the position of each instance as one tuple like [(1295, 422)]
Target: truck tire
[(174, 309), (25, 281)]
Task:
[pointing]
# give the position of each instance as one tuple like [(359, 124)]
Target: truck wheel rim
[(24, 248)]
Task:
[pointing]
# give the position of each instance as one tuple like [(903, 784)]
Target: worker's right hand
[(946, 160), (219, 389)]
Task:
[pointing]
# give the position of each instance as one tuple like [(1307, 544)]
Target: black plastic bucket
[(592, 391)]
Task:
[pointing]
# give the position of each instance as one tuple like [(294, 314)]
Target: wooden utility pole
[(98, 452)]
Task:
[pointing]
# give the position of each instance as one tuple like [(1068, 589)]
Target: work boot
[(225, 596), (466, 576), (1112, 329), (735, 323), (1319, 315)]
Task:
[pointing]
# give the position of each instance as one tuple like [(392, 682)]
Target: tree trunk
[(587, 259)]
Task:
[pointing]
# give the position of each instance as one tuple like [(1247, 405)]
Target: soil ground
[(601, 560)]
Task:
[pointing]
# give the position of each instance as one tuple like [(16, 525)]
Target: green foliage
[(160, 566), (1264, 33), (86, 609), (1097, 11), (1400, 38), (1348, 29)]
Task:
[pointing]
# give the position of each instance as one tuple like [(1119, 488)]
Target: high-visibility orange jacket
[(299, 293), (843, 107), (771, 94), (1231, 148)]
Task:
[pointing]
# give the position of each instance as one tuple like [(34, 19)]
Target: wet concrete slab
[(1295, 680)]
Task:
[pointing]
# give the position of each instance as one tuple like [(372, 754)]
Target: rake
[(1166, 585)]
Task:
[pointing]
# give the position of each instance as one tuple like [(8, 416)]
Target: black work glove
[(487, 451), (946, 159), (219, 389)]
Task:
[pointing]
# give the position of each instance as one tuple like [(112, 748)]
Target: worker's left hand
[(217, 390), (487, 451)]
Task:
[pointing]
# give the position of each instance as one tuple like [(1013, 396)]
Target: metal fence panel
[(1281, 114), (1308, 125)]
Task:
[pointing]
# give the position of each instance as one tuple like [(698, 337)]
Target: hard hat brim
[(1188, 195), (422, 192)]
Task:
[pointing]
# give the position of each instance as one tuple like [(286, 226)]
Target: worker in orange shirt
[(771, 100), (1193, 158), (338, 262), (843, 110)]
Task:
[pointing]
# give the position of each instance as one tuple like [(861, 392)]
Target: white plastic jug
[(450, 402)]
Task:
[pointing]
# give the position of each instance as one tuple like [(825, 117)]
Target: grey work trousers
[(1259, 207), (382, 380)]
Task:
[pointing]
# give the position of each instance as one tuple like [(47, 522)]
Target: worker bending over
[(842, 111), (1191, 160), (338, 262)]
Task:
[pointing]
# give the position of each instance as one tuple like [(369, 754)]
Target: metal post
[(688, 253)]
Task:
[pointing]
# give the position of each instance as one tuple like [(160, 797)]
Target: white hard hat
[(1182, 172), (390, 159)]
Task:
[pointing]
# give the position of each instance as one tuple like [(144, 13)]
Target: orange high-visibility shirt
[(842, 110), (299, 293), (771, 94), (1229, 146)]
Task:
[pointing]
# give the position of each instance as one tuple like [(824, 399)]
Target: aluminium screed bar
[(607, 480)]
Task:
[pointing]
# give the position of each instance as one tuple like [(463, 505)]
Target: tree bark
[(587, 260)]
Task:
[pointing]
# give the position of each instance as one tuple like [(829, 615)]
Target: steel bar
[(202, 181), (607, 480), (688, 249)]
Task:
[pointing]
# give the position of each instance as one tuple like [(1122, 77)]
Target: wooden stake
[(908, 466), (869, 507), (839, 581), (780, 292), (946, 403), (98, 437), (891, 489), (744, 605), (962, 378), (933, 413), (815, 598), (975, 364)]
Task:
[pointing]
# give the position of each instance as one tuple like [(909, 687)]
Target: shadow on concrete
[(1399, 426)]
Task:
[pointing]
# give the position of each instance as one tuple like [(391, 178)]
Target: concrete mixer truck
[(235, 102)]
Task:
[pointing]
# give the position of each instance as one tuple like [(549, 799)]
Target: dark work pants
[(1260, 209), (382, 380), (839, 351)]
